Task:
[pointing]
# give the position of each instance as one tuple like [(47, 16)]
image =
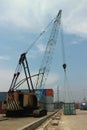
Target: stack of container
[(49, 100), (2, 102), (45, 98), (3, 96), (2, 108), (40, 93), (69, 109)]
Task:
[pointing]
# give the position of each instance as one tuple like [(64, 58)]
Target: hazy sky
[(21, 21)]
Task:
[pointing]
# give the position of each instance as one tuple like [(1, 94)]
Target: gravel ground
[(74, 122)]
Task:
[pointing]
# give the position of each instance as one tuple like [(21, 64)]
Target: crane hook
[(64, 66)]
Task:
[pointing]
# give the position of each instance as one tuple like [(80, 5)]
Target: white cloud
[(75, 42), (53, 78), (25, 14), (5, 58), (41, 47), (75, 20), (5, 79), (36, 14)]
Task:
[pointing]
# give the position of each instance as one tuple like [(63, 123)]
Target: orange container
[(49, 92)]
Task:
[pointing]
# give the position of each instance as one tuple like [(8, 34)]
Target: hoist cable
[(67, 94), (62, 43), (63, 49), (64, 88), (68, 88)]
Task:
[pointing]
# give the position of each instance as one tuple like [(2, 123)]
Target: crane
[(24, 103)]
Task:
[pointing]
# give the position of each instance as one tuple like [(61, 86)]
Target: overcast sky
[(21, 21)]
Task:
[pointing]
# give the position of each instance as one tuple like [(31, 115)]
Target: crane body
[(21, 103)]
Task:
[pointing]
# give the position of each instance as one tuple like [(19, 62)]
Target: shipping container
[(49, 99), (2, 111), (0, 105), (69, 109), (3, 96), (40, 96), (49, 107), (49, 92), (43, 91), (2, 108), (4, 105)]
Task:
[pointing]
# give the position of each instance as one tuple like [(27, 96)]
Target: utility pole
[(58, 95)]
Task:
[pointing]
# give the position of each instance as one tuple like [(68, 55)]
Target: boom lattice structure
[(46, 61)]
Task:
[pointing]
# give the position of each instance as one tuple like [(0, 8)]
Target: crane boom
[(46, 61)]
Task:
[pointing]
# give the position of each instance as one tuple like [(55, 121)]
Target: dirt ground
[(67, 122), (16, 123), (74, 122)]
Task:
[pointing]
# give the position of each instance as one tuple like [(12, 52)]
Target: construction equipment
[(21, 103)]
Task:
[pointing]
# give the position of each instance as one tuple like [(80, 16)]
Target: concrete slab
[(74, 122)]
